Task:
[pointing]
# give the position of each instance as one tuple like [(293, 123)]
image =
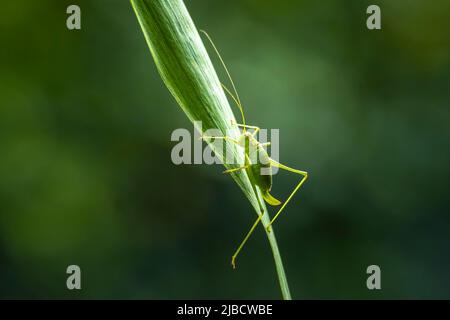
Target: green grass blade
[(188, 73)]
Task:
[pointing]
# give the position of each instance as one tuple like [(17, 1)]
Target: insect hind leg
[(304, 175), (234, 256)]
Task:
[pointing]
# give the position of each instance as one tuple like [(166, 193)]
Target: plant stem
[(187, 71), (270, 233)]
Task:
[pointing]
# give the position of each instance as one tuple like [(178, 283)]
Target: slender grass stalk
[(188, 73)]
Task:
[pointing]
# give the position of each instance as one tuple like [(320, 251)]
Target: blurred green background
[(86, 176)]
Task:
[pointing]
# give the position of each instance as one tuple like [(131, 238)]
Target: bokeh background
[(86, 176)]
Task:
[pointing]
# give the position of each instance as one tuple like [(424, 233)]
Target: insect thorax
[(259, 159), (254, 150)]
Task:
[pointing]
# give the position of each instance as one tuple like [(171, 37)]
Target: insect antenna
[(235, 97)]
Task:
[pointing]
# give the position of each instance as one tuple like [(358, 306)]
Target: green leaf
[(187, 71)]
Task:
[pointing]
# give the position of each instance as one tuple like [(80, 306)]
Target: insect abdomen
[(264, 181)]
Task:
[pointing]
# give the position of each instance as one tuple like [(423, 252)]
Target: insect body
[(262, 161), (254, 165)]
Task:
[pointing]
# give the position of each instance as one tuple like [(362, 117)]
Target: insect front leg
[(236, 169), (304, 175), (255, 128), (226, 138)]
